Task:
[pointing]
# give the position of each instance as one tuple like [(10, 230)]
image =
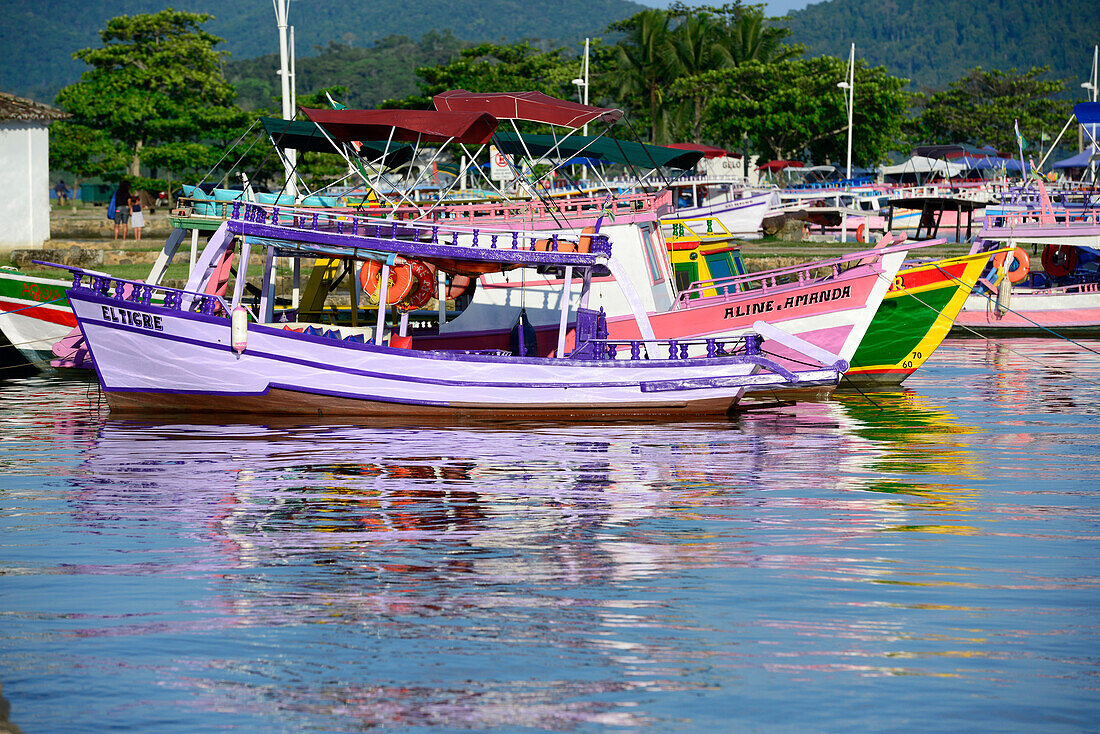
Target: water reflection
[(331, 576)]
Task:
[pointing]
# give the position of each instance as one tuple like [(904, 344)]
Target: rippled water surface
[(925, 561)]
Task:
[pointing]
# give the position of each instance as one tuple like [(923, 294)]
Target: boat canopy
[(708, 151), (305, 135), (425, 126), (529, 106), (957, 150), (639, 155), (1087, 113), (780, 165), (1082, 160), (924, 164)]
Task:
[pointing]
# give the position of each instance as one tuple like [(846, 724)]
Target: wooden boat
[(1054, 289), (202, 351), (34, 314), (914, 318)]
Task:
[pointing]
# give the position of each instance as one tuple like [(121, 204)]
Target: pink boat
[(1033, 293)]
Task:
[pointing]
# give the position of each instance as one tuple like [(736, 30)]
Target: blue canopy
[(1081, 160), (1087, 113)]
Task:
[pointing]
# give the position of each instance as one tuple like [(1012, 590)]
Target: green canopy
[(639, 155), (305, 135)]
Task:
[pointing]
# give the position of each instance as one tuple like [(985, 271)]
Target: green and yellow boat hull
[(913, 320)]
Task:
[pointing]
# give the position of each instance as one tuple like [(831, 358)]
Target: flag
[(1020, 138)]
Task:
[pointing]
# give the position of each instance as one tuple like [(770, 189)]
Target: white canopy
[(923, 164)]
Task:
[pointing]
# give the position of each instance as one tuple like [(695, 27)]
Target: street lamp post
[(286, 78), (849, 87), (582, 83), (1092, 89)]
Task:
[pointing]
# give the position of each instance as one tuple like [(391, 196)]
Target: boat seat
[(589, 324)]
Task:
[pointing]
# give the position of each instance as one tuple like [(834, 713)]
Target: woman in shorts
[(137, 219)]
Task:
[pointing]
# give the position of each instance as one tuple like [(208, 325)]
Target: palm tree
[(750, 40), (697, 47), (644, 66)]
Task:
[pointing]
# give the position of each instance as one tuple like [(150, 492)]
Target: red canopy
[(780, 165), (427, 126), (531, 106), (708, 151)]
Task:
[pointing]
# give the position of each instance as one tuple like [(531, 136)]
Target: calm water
[(928, 561)]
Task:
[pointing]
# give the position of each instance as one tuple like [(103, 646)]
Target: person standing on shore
[(122, 208), (137, 219), (62, 192)]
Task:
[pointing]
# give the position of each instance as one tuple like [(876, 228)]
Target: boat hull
[(915, 317), (34, 314), (154, 359), (1068, 310)]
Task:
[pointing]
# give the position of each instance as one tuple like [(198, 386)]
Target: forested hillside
[(386, 70), (39, 36), (933, 42)]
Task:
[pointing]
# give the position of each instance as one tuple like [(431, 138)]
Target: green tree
[(982, 108), (491, 67), (83, 152), (663, 46), (157, 80), (645, 67), (793, 108)]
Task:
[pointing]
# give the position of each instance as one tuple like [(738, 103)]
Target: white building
[(24, 172)]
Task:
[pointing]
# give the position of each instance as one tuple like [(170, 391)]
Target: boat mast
[(286, 78)]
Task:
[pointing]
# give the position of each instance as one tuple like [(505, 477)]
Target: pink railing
[(567, 208)]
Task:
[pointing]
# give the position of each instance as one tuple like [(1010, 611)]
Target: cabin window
[(686, 274), (721, 266), (655, 274)]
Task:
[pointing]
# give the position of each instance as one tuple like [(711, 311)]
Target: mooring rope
[(1010, 349)]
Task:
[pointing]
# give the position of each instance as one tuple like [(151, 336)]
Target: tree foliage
[(793, 109), (983, 107), (84, 152), (663, 46), (156, 80), (386, 70)]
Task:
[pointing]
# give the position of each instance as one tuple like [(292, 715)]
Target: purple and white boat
[(203, 350)]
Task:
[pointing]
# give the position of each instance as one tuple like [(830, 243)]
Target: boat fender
[(1020, 266), (1059, 260), (239, 329), (1004, 297), (459, 286)]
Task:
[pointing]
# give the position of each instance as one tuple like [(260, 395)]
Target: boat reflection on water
[(283, 489)]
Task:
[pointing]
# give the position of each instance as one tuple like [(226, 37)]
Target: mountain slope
[(39, 36), (934, 42)]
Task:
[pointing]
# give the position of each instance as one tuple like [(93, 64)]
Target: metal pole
[(281, 9), (851, 103)]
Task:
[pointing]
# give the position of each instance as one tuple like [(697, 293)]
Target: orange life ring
[(425, 285), (861, 232), (1019, 267), (1059, 260), (401, 280)]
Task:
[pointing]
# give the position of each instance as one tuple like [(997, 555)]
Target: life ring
[(401, 281), (1059, 260), (861, 232), (425, 285), (1019, 267)]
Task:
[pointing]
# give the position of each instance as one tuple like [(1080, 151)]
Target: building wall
[(24, 184)]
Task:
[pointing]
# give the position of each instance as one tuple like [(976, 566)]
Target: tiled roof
[(17, 108)]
